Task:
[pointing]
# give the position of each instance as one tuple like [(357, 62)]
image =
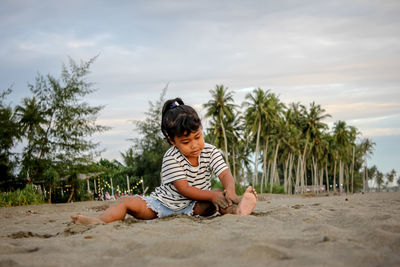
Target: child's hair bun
[(172, 103)]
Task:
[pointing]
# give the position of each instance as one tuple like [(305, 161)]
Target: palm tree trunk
[(255, 178), (366, 177), (225, 140), (304, 171), (341, 181), (321, 178), (268, 174), (352, 172), (364, 181), (347, 178), (297, 184), (276, 179), (71, 195), (50, 191), (271, 174), (274, 166), (285, 174), (302, 174), (314, 174), (234, 162), (264, 164), (290, 174), (327, 177), (262, 181), (334, 178)]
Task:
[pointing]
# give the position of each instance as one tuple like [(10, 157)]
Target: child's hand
[(231, 197), (219, 200)]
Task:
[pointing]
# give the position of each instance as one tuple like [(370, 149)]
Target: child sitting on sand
[(185, 174)]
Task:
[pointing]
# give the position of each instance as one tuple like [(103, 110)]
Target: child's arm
[(229, 184), (194, 193)]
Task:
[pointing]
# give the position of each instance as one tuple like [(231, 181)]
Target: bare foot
[(85, 220), (248, 202)]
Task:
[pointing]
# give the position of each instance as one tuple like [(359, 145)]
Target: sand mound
[(353, 230)]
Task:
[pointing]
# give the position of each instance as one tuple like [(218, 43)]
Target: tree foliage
[(9, 135), (293, 144), (146, 154), (54, 124), (57, 123)]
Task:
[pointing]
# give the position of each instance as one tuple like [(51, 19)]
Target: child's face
[(190, 146)]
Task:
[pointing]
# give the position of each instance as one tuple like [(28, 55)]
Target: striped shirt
[(176, 167)]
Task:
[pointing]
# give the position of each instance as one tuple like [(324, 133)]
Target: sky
[(343, 55)]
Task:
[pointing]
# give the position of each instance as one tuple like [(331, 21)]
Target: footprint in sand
[(381, 217), (391, 228), (73, 229), (297, 206), (24, 234), (7, 249), (9, 262), (265, 252)]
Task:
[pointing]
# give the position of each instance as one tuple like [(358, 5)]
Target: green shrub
[(240, 189), (216, 184), (26, 196)]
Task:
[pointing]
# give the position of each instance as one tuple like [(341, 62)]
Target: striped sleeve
[(217, 163), (171, 170)]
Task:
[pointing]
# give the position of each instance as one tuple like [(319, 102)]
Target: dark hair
[(178, 119)]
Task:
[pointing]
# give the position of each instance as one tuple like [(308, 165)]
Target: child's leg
[(134, 206), (245, 207), (204, 208)]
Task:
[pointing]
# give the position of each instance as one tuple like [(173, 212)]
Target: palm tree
[(342, 140), (325, 158), (390, 177), (367, 147), (398, 182), (220, 108), (372, 172), (255, 116), (379, 179), (275, 126), (290, 147), (353, 136), (334, 155), (296, 119), (312, 130), (32, 119), (235, 136)]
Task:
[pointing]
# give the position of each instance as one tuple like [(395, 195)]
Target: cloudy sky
[(344, 55)]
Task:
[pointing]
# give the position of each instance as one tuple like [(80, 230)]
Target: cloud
[(358, 111), (342, 55), (378, 132)]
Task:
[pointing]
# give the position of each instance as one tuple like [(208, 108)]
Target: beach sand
[(347, 230)]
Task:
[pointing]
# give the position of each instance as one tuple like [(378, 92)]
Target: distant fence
[(311, 188)]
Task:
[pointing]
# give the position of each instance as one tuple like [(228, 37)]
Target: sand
[(352, 230)]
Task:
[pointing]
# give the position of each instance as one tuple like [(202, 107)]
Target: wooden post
[(127, 183), (142, 185), (112, 187), (95, 187), (88, 185)]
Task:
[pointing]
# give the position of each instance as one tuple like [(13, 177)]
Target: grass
[(240, 189), (26, 196)]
